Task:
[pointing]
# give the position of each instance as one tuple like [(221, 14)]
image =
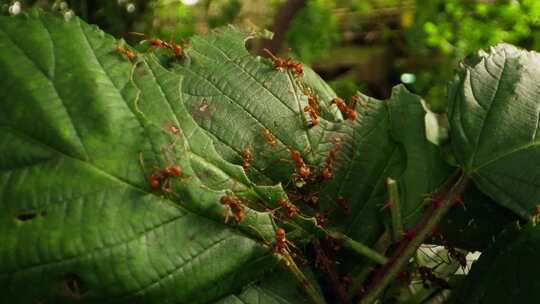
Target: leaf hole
[(30, 215), (72, 287)]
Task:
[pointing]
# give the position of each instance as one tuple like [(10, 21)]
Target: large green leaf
[(79, 220), (507, 271), (494, 117), (82, 128)]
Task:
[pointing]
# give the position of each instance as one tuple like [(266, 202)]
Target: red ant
[(269, 137), (454, 253), (320, 219), (409, 235), (173, 47), (291, 210), (312, 101), (281, 245), (437, 201), (327, 172), (313, 115), (427, 276), (459, 200), (130, 55), (247, 158), (301, 168), (344, 109), (162, 178), (288, 64), (342, 202), (235, 206), (176, 49), (536, 214)]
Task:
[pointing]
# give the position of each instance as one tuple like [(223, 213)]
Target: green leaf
[(276, 288), (389, 141), (227, 90), (79, 219), (425, 170), (494, 117), (506, 272)]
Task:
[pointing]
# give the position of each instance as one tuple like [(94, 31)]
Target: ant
[(291, 210), (281, 245), (288, 64), (454, 253), (176, 49), (436, 201), (301, 168), (235, 206), (312, 101), (313, 115), (349, 113), (427, 276), (342, 202), (130, 55), (162, 178), (327, 172), (269, 137), (247, 158), (320, 219)]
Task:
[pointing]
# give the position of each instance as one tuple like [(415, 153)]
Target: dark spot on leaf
[(30, 215), (72, 287)]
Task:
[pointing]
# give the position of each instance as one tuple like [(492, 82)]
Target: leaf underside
[(494, 118)]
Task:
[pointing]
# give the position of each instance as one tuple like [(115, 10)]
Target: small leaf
[(425, 170)]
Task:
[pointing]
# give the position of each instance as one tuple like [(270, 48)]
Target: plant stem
[(415, 237), (395, 209), (358, 247), (310, 290)]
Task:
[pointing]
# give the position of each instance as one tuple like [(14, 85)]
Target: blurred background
[(366, 45)]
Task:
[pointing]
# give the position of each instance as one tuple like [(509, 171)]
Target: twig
[(358, 247), (310, 290), (395, 209)]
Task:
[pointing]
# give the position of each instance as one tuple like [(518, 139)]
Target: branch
[(281, 24), (441, 203)]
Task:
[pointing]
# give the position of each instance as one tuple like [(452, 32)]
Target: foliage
[(314, 31), (446, 31), (218, 176)]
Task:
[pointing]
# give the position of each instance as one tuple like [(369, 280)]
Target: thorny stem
[(417, 234), (395, 209), (327, 266), (358, 247), (313, 294)]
